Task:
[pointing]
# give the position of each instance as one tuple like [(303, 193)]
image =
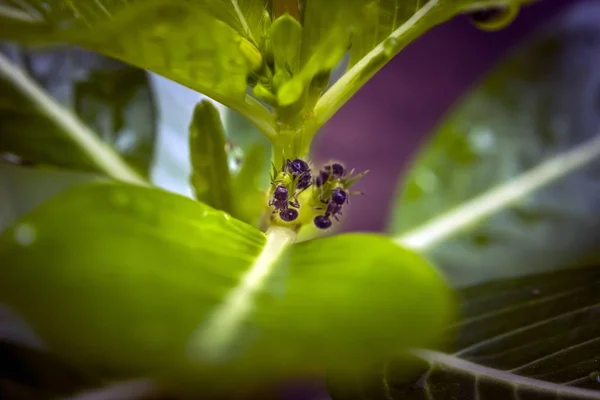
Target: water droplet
[(119, 199), (390, 46), (25, 234), (595, 376), (227, 217), (426, 180), (144, 209), (482, 140)]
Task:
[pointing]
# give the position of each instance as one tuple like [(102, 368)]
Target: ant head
[(297, 166), (337, 170)]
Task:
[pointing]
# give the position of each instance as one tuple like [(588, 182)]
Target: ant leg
[(294, 203)]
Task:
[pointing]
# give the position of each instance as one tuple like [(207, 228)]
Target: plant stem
[(424, 237), (342, 90), (256, 113), (222, 328), (101, 154), (290, 144)]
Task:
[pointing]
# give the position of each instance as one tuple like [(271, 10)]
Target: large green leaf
[(510, 174), (112, 98), (131, 281), (381, 29), (22, 189), (527, 338), (182, 40), (507, 188)]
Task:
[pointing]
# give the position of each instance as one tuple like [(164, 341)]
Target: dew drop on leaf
[(595, 376), (25, 234), (119, 199), (389, 46), (482, 140), (426, 180)]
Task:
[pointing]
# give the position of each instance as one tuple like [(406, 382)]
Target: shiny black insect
[(282, 203), (322, 178), (336, 170), (297, 166), (322, 222), (300, 170), (339, 196), (288, 215), (304, 181)]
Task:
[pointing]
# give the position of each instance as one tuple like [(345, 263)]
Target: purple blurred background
[(381, 128)]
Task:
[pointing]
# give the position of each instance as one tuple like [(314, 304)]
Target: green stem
[(256, 113), (334, 98), (290, 144)]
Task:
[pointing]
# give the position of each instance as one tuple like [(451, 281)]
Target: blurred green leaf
[(245, 16), (138, 271), (181, 40), (244, 135), (533, 108), (381, 28), (530, 337), (526, 338), (22, 189), (250, 195), (325, 39), (112, 98), (210, 176), (285, 36)]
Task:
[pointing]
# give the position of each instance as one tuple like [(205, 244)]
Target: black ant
[(282, 203), (334, 181), (300, 170)]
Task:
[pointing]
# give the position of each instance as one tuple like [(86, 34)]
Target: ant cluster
[(294, 173), (330, 190)]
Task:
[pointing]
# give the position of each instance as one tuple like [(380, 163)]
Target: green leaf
[(22, 189), (381, 29), (245, 16), (165, 287), (325, 39), (29, 112), (181, 40), (244, 135), (210, 176), (285, 37), (112, 98), (510, 174), (525, 338), (250, 198)]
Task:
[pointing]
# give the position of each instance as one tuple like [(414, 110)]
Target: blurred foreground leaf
[(138, 271)]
